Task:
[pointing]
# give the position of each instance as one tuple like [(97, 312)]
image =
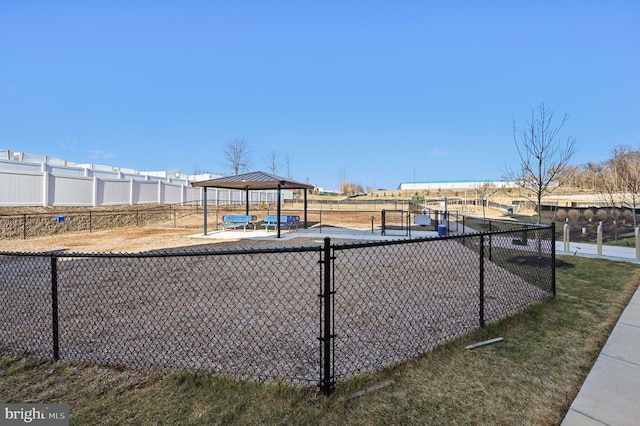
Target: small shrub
[(588, 215), (616, 214), (602, 215), (574, 215), (561, 215), (628, 216)]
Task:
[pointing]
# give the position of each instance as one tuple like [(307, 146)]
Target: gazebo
[(254, 181)]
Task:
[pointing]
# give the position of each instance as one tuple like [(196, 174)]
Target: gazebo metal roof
[(254, 181)]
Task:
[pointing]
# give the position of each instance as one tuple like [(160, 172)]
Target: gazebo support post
[(246, 201), (278, 209), (205, 210), (305, 208)]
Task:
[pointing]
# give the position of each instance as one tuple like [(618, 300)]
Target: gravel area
[(251, 315)]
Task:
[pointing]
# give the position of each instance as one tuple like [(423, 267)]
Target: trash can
[(510, 210), (442, 230)]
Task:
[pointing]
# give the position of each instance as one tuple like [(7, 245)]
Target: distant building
[(451, 184)]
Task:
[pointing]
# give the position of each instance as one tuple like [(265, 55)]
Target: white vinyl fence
[(29, 180)]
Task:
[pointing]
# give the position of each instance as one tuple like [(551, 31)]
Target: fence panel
[(72, 191), (405, 300), (526, 254), (114, 192), (21, 189), (25, 305), (172, 194), (146, 192), (220, 313)]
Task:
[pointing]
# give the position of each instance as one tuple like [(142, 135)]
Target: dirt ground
[(253, 317), (168, 235), (174, 234)]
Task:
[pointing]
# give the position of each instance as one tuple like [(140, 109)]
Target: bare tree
[(486, 190), (570, 175), (629, 167), (620, 179), (543, 155), (237, 154), (272, 161), (593, 170), (349, 189), (288, 159)]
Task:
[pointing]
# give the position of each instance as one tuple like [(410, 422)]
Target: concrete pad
[(631, 315), (573, 418), (244, 235), (331, 232), (635, 300), (611, 393), (624, 344)]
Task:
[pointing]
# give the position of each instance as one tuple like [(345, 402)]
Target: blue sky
[(377, 92)]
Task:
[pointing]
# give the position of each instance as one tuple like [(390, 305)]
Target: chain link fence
[(411, 296), (306, 315), (28, 225)]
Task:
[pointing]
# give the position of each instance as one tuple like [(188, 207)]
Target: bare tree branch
[(543, 156), (486, 190), (288, 160), (237, 153), (620, 179), (272, 161)]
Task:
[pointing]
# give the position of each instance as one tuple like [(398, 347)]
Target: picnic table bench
[(237, 221), (285, 222)]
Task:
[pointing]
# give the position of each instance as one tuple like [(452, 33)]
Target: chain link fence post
[(54, 307), (327, 380), (482, 280), (553, 258)]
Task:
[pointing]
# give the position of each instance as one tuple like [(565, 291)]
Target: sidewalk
[(317, 233), (611, 393), (622, 254)]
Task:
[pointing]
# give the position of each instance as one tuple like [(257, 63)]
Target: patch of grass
[(529, 378), (627, 239), (530, 219)]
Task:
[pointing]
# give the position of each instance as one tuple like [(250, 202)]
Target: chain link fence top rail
[(260, 314)]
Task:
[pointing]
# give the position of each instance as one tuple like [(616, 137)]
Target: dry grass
[(530, 378), (172, 234)]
